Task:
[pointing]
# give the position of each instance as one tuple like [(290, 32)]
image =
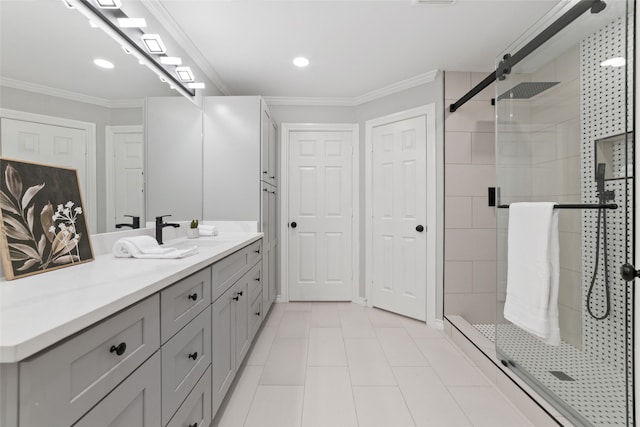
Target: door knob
[(294, 224), (419, 229), (629, 272)]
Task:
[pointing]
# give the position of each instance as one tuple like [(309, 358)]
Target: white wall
[(429, 93)]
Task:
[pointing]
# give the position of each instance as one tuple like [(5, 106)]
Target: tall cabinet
[(240, 172)]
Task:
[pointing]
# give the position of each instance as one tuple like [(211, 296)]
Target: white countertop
[(40, 310)]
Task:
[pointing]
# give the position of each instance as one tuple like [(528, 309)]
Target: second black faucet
[(160, 224)]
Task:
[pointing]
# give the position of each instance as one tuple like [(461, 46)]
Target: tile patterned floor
[(597, 391), (341, 364)]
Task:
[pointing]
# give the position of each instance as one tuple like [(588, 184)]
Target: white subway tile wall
[(470, 236)]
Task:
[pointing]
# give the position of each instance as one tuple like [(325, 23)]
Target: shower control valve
[(629, 272)]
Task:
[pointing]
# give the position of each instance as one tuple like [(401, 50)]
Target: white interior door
[(320, 216), (128, 176), (53, 145), (399, 217)]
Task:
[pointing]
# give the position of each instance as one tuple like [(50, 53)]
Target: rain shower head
[(526, 90)]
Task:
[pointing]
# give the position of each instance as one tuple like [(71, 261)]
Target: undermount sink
[(203, 242)]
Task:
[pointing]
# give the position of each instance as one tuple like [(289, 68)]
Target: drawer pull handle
[(193, 355), (236, 298), (258, 314), (119, 349), (193, 296)]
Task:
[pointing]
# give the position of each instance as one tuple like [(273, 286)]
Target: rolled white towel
[(208, 230), (147, 247)]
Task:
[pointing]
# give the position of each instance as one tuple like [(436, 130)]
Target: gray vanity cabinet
[(223, 346), (165, 361), (182, 302), (134, 403), (61, 384), (232, 322), (196, 409), (185, 357)]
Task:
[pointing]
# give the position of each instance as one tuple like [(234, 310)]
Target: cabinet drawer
[(196, 409), (185, 357), (255, 281), (59, 385), (255, 316), (134, 403), (254, 253), (181, 302), (225, 272)]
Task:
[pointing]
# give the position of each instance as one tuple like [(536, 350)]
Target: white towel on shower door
[(533, 270)]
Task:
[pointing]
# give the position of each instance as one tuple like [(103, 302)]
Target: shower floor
[(598, 390)]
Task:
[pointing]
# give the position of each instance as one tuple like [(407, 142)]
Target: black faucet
[(134, 224), (160, 224)]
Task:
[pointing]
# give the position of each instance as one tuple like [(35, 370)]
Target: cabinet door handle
[(272, 192), (257, 279), (257, 251), (265, 190), (193, 355), (257, 314), (119, 349), (272, 177), (239, 293), (193, 296), (265, 172), (193, 425), (236, 298), (420, 229)]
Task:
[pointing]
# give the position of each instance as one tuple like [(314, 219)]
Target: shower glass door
[(564, 134)]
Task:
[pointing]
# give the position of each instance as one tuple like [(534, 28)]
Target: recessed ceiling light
[(197, 85), (132, 22), (109, 4), (170, 60), (185, 74), (614, 62), (300, 61), (153, 43), (103, 63)]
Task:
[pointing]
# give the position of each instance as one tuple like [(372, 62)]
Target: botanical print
[(43, 226)]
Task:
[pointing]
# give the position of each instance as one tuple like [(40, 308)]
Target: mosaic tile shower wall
[(605, 122)]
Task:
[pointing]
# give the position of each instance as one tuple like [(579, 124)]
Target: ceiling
[(355, 46)]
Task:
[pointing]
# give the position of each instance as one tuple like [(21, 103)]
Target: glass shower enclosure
[(564, 134)]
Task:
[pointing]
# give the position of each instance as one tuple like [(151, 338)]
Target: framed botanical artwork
[(42, 219)]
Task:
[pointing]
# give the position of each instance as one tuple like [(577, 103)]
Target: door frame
[(434, 199), (110, 152), (285, 131), (90, 199)]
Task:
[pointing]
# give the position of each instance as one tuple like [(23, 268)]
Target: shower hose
[(601, 214)]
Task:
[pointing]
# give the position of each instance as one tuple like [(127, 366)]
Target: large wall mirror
[(58, 107)]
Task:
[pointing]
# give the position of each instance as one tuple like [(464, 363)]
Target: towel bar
[(578, 206)]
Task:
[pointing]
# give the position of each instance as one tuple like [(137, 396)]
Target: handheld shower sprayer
[(603, 197), (600, 178)]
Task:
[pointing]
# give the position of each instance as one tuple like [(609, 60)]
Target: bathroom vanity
[(130, 342)]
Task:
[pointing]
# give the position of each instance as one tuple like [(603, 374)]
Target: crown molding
[(309, 101), (165, 19), (409, 83), (358, 100), (72, 96)]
